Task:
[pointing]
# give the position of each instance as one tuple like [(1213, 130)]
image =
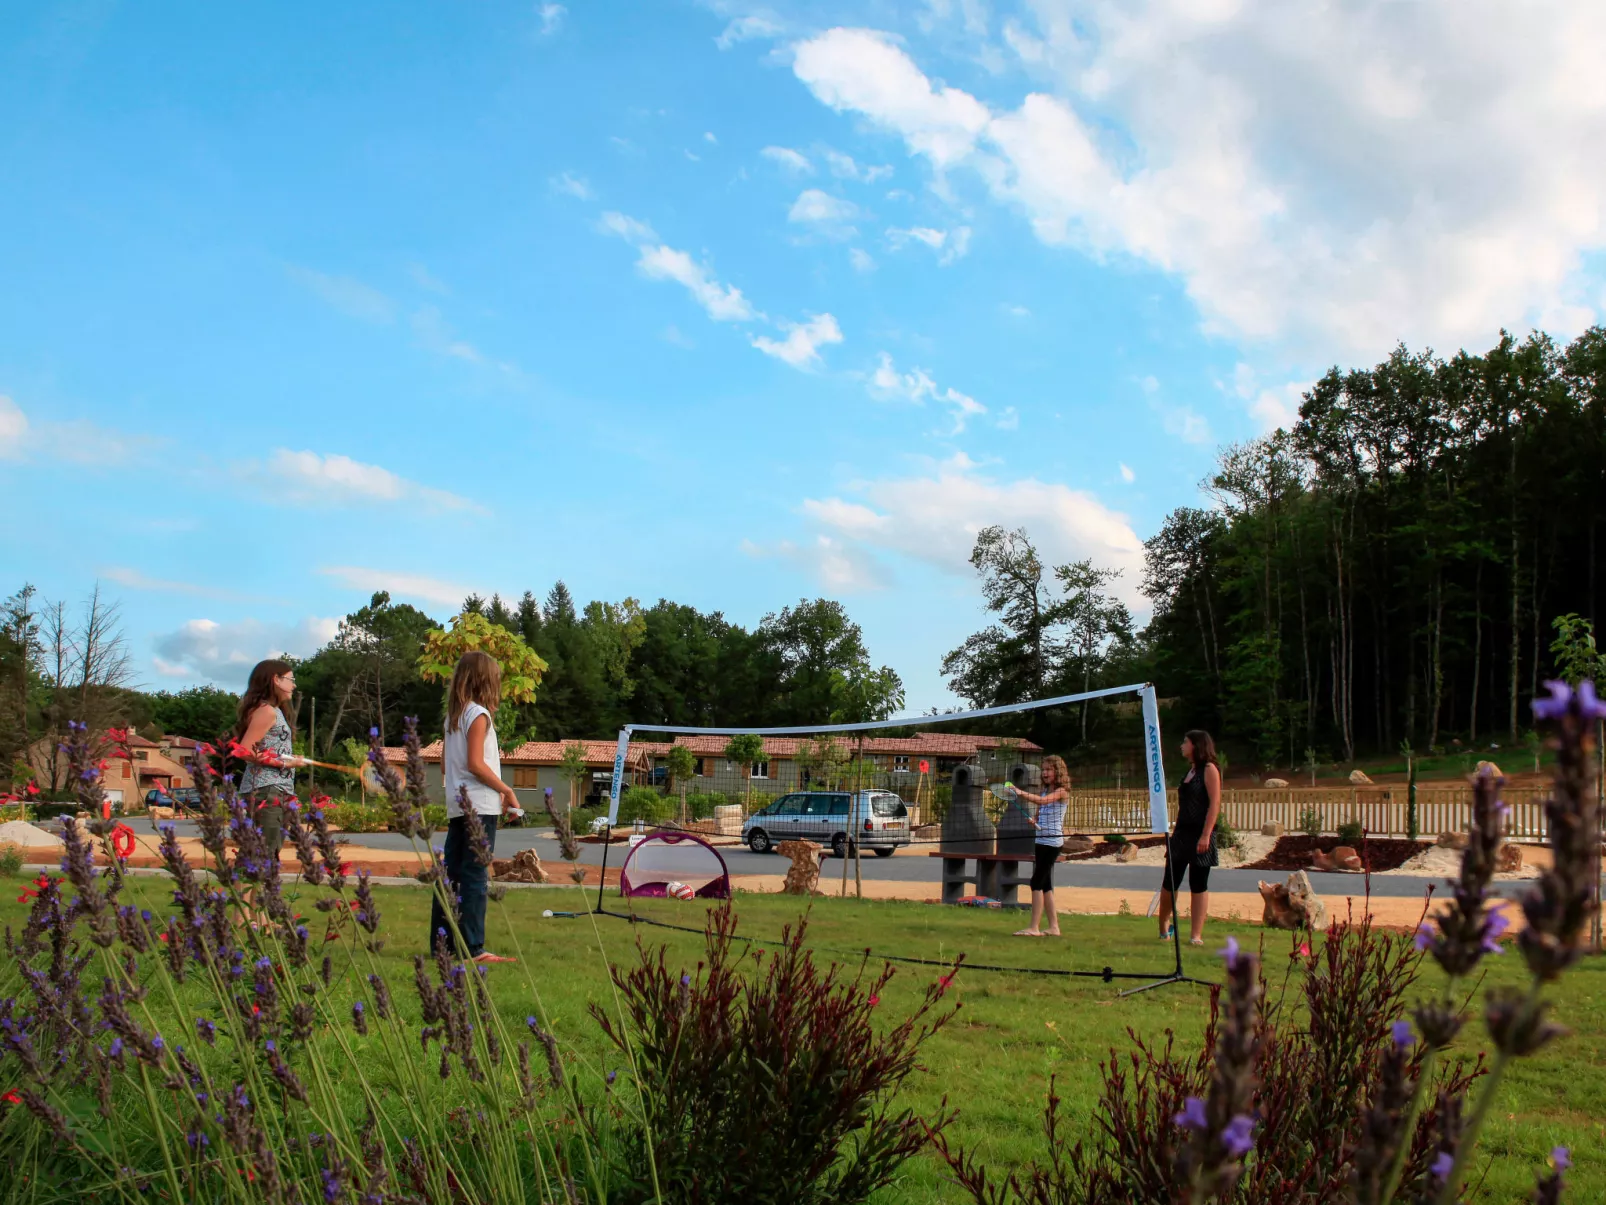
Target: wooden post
[(858, 780)]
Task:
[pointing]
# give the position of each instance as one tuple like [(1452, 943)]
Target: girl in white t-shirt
[(471, 765)]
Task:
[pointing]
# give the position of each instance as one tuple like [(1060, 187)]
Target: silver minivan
[(877, 821)]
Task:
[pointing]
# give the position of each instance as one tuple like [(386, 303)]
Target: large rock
[(1275, 782), (1293, 904), (805, 870), (1509, 859), (1272, 829), (1343, 857), (1127, 853), (1079, 845), (728, 820), (523, 867), (1453, 840), (1358, 778)]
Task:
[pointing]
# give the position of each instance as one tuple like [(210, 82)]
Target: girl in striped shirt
[(1050, 826)]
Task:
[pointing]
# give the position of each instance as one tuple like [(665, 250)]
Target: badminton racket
[(1003, 795)]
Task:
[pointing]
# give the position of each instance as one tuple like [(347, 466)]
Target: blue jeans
[(469, 882)]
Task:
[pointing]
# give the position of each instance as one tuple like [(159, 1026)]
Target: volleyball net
[(951, 772)]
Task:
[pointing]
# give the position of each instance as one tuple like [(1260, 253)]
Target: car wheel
[(883, 852), (839, 845), (758, 841)]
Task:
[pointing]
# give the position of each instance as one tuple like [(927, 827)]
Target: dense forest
[(1389, 571)]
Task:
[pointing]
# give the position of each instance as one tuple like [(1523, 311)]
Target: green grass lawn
[(1014, 1030)]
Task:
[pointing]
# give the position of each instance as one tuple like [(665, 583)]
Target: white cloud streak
[(399, 583), (917, 387), (351, 297), (801, 347), (225, 652), (330, 479), (794, 162)]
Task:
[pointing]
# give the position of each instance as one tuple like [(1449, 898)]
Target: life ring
[(123, 840)]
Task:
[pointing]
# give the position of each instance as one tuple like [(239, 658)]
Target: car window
[(787, 805), (839, 805), (819, 804), (887, 805)]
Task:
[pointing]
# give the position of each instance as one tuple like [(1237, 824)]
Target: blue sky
[(731, 305)]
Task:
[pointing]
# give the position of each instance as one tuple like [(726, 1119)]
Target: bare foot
[(1028, 933), (1052, 933), (489, 957)]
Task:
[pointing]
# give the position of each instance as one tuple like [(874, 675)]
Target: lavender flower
[(1239, 1136), (1441, 1165), (478, 844), (1402, 1035), (1464, 927), (359, 1018), (1192, 1116)]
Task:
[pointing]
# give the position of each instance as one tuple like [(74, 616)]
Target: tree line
[(1391, 571)]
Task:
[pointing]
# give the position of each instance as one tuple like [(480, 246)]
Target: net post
[(618, 775), (853, 819), (1159, 821)]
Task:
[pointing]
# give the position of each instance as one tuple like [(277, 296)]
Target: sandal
[(487, 956), (1196, 941), (1027, 933)]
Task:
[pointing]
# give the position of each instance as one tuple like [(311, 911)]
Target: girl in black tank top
[(1192, 844)]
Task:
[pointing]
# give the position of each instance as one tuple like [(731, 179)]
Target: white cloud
[(949, 244), (351, 297), (746, 29), (831, 214), (835, 565), (434, 335), (626, 227), (917, 386), (572, 184), (1336, 177), (708, 137), (551, 18), (424, 279), (1018, 311), (75, 441), (1187, 424), (934, 518), (843, 166), (1273, 407), (861, 260), (1009, 420), (225, 652), (722, 302), (315, 479), (792, 161), (861, 71), (401, 584), (1127, 475), (801, 347), (133, 579), (13, 429)]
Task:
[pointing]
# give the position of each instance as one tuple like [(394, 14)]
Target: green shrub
[(10, 860), (1310, 821), (646, 805), (701, 806), (1351, 832), (435, 815), (1228, 837), (358, 817), (1115, 838)]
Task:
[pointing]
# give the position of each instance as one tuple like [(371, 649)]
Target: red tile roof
[(537, 753), (600, 753)]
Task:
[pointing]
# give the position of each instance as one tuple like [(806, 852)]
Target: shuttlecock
[(547, 913)]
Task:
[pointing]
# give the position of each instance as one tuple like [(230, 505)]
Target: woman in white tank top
[(471, 766)]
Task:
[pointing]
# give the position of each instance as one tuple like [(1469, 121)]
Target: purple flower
[(1560, 695), (1239, 1136), (116, 1047), (373, 732), (1560, 1156), (685, 980), (1591, 706), (1424, 937), (206, 1029), (1192, 1116), (1230, 952), (1497, 924), (1441, 1165), (613, 1075), (1403, 1036)]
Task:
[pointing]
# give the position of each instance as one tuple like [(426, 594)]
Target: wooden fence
[(1382, 811)]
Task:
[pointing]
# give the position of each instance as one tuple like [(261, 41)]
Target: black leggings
[(1043, 867), (1185, 867)]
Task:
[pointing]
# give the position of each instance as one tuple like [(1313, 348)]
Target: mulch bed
[(1380, 853), (1108, 849)]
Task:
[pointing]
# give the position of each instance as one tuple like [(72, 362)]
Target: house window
[(761, 769), (703, 769), (142, 756), (900, 763)]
